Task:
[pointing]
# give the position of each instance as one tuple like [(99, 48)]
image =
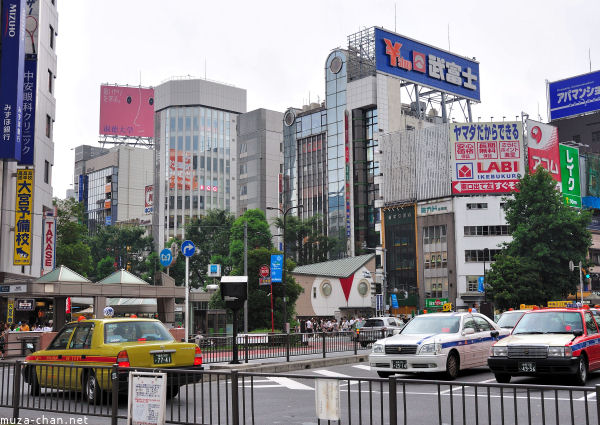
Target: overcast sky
[(276, 50)]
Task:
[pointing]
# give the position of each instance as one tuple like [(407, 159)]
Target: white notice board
[(327, 399), (147, 398)]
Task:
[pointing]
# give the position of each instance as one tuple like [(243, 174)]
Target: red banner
[(543, 151)]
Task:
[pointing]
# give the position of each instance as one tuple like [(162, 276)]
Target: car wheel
[(34, 385), (582, 371), (91, 388), (452, 366), (502, 378), (384, 374)]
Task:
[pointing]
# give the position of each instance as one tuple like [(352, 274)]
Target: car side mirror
[(495, 334), (468, 331), (577, 333)]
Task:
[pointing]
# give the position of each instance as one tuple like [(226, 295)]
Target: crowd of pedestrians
[(314, 325)]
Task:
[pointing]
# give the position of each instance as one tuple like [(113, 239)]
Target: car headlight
[(430, 349), (559, 352), (501, 351), (378, 348)]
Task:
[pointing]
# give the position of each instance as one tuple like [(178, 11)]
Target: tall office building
[(37, 145), (84, 153), (196, 151)]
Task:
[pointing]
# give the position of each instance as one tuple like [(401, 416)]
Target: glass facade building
[(100, 201)]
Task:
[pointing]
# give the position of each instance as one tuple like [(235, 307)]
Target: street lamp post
[(384, 281), (286, 323)]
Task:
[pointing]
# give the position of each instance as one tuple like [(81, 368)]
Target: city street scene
[(305, 213)]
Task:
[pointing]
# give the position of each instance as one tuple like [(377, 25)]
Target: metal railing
[(232, 397), (255, 347)]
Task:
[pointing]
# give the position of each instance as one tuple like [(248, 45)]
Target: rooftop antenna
[(395, 21), (539, 116), (449, 36), (205, 68), (590, 58)]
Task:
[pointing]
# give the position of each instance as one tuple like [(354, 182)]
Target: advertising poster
[(542, 148), (487, 157), (48, 254), (23, 215), (574, 96), (149, 199), (126, 111), (569, 166)]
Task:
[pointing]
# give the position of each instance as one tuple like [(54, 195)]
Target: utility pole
[(246, 274)]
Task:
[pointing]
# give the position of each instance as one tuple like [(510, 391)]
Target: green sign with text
[(435, 302), (569, 171)]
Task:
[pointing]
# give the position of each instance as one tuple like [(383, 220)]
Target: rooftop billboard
[(426, 65), (574, 96), (126, 111)]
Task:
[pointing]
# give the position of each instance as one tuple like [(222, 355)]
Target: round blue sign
[(188, 248), (166, 257)]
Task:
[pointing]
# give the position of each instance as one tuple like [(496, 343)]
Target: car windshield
[(135, 331), (373, 323), (549, 322), (509, 319), (432, 325)]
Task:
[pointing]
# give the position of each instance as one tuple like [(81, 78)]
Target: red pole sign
[(264, 271)]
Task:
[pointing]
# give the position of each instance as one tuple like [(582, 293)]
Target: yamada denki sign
[(487, 157), (426, 65)]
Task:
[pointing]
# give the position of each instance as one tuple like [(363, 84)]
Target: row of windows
[(436, 287), (434, 234), (481, 255), (487, 230), (436, 260)]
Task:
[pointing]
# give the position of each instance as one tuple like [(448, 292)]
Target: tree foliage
[(72, 249), (534, 267), (305, 239)]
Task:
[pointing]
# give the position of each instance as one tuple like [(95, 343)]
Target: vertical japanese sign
[(569, 167), (28, 125), (12, 65), (48, 254), (347, 169), (149, 199), (23, 213), (542, 148), (10, 311), (486, 157)]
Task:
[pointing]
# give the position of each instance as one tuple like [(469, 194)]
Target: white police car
[(437, 342)]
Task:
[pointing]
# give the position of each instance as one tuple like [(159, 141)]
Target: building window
[(50, 78), (472, 283), (478, 206), (363, 288), (595, 256), (487, 230), (243, 190), (480, 255), (48, 126), (46, 172), (434, 234), (326, 288), (595, 136), (243, 148), (51, 36)]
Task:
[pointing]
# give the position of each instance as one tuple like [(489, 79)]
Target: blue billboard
[(573, 96), (276, 268), (12, 66), (28, 124), (426, 65)]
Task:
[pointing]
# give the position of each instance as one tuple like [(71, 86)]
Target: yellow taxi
[(127, 342)]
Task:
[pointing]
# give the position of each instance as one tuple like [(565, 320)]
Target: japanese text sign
[(23, 214), (576, 95), (147, 398), (569, 167), (426, 65), (49, 244), (542, 148), (12, 66), (28, 124), (149, 199), (126, 111), (487, 157)]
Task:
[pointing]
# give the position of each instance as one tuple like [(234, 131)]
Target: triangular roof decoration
[(62, 274), (123, 276), (335, 268)]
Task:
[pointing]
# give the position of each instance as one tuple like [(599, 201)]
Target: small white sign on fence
[(327, 399), (147, 398)]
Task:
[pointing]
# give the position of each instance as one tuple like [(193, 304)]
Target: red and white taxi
[(563, 341)]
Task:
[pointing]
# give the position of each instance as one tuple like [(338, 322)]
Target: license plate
[(162, 358), (527, 367), (399, 364)]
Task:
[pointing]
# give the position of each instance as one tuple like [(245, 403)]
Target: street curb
[(293, 365)]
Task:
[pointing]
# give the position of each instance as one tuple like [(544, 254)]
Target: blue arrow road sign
[(166, 257), (188, 248)]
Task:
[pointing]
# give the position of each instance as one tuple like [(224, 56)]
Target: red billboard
[(542, 148), (126, 111)]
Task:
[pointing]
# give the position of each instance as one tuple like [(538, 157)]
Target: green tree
[(534, 267), (105, 267), (305, 239), (72, 249)]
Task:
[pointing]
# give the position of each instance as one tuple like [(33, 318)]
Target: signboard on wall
[(435, 302), (542, 148), (126, 111), (433, 208), (23, 215), (487, 157), (149, 200), (569, 165), (429, 66), (28, 124), (12, 66), (49, 244), (574, 96)]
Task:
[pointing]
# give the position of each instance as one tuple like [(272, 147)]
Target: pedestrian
[(309, 326), (4, 329)]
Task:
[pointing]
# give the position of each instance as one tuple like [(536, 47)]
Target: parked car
[(437, 342), (376, 328), (509, 319), (144, 343), (560, 341)]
